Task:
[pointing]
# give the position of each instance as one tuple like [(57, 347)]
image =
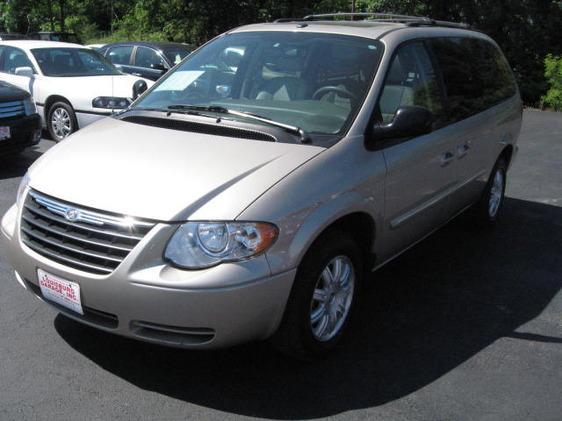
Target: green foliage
[(527, 30), (553, 75)]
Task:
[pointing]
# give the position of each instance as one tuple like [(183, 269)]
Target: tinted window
[(475, 73), (411, 80), (12, 58), (147, 57), (120, 55)]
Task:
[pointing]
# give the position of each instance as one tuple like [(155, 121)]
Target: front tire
[(323, 299), (61, 121)]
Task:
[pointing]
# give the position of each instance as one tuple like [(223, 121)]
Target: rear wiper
[(244, 114)]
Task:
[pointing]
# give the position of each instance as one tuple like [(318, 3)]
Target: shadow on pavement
[(424, 314), (16, 165)]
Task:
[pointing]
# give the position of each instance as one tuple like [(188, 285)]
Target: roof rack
[(380, 17)]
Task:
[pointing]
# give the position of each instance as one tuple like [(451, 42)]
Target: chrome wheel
[(332, 298), (61, 123), (496, 194)]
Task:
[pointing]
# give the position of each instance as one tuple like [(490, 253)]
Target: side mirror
[(24, 71), (138, 88), (409, 121)]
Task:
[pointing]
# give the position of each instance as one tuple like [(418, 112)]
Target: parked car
[(146, 59), (4, 36), (247, 194), (55, 36), (20, 125), (72, 85)]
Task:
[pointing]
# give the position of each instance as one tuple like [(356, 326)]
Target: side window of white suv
[(411, 80)]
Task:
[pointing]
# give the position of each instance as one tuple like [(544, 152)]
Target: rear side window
[(475, 73)]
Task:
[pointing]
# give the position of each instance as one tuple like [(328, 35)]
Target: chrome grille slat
[(87, 240), (63, 246), (75, 262), (11, 109), (80, 226), (52, 230)]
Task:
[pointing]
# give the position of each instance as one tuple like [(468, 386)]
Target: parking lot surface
[(466, 325)]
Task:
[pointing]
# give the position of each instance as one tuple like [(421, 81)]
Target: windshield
[(176, 54), (67, 62), (314, 81)]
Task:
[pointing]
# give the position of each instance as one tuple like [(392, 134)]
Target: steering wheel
[(335, 89)]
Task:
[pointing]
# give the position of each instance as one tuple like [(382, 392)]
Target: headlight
[(21, 189), (110, 102), (197, 245), (29, 106)]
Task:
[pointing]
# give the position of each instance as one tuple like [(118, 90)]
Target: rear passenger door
[(121, 56), (473, 87), (148, 63), (420, 171)]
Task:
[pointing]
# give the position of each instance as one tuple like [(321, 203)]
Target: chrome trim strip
[(11, 104), (86, 216), (83, 227)]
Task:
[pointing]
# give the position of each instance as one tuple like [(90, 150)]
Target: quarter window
[(411, 80)]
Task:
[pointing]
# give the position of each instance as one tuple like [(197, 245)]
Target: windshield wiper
[(304, 138)]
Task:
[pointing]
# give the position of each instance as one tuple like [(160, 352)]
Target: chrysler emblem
[(71, 214)]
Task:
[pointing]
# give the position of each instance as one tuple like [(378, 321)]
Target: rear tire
[(318, 312), (61, 121), (487, 211)]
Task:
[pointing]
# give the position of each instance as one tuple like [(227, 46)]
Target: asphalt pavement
[(467, 325)]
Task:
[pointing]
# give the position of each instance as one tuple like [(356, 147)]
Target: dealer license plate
[(60, 291)]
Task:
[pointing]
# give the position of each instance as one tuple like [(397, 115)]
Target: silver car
[(250, 191)]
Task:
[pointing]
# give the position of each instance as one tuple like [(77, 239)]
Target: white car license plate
[(4, 132), (60, 291)]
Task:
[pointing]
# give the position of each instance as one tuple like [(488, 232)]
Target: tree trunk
[(62, 4)]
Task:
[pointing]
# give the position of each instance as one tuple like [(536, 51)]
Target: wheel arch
[(51, 100)]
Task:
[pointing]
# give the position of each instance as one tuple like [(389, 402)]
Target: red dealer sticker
[(60, 291)]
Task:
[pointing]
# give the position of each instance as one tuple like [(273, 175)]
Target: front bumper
[(144, 298), (25, 132)]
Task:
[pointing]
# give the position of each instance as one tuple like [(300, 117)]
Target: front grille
[(83, 239), (11, 109)]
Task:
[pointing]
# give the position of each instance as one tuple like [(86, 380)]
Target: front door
[(421, 171)]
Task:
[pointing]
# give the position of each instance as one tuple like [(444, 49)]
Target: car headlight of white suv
[(198, 245)]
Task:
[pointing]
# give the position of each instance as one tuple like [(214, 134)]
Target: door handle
[(136, 74), (446, 158), (463, 149)]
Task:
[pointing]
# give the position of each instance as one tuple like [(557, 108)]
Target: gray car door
[(421, 171)]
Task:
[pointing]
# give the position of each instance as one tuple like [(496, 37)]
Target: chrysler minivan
[(250, 191)]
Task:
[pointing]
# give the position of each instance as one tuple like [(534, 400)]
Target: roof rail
[(381, 17)]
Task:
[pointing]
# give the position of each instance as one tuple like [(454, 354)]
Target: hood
[(163, 174), (9, 92)]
